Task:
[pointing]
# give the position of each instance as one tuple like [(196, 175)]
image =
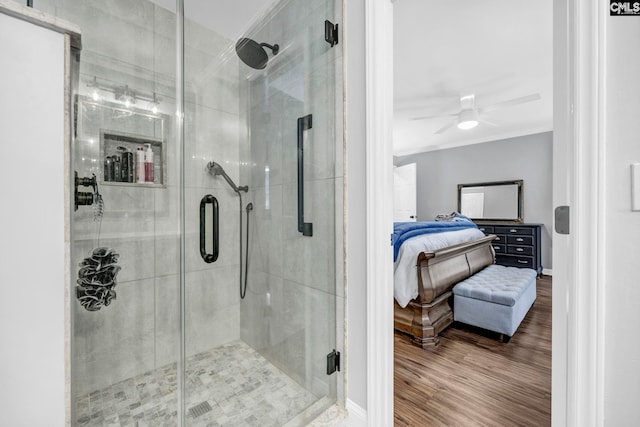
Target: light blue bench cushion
[(497, 284)]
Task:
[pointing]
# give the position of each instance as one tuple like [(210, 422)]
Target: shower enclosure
[(160, 335)]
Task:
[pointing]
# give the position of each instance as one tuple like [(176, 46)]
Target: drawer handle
[(497, 239), (513, 230), (519, 249), (496, 247), (522, 262), (519, 239)]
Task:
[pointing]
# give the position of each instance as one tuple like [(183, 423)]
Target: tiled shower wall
[(213, 133), (133, 43), (295, 288)]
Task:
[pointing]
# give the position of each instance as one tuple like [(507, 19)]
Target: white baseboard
[(547, 272), (357, 415)]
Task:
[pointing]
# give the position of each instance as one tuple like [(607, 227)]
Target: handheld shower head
[(216, 169)]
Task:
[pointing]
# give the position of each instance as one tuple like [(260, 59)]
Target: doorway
[(478, 108), (574, 67)]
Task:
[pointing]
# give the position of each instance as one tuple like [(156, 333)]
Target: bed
[(426, 266)]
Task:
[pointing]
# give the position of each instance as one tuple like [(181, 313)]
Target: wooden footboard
[(438, 271)]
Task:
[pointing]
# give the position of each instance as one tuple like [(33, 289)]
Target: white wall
[(528, 157), (622, 269), (32, 272)]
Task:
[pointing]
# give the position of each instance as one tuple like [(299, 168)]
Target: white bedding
[(405, 271)]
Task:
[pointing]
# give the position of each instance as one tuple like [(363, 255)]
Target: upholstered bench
[(496, 298)]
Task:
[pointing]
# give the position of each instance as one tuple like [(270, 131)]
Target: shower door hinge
[(331, 33), (333, 362)]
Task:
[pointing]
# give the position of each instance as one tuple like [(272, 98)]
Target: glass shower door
[(125, 222), (260, 320)]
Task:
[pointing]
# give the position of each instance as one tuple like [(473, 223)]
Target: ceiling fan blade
[(510, 103), (445, 127), (486, 122), (432, 117)]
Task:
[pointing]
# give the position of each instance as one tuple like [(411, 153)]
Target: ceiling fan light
[(468, 119), (467, 124)]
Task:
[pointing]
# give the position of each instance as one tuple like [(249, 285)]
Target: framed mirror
[(491, 201)]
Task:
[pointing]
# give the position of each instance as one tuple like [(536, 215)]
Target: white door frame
[(577, 355), (578, 293), (379, 214)]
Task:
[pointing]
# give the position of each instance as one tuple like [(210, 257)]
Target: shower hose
[(243, 286)]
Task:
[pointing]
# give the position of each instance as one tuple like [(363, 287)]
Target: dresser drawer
[(500, 239), (520, 250), (515, 261), (514, 230), (520, 240), (500, 249), (486, 229)]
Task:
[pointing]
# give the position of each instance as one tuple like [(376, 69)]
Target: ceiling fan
[(469, 115)]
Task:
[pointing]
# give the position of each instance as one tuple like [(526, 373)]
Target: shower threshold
[(231, 385)]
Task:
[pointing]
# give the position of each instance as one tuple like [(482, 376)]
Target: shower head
[(216, 169), (253, 54)]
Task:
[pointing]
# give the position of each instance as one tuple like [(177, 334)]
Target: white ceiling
[(444, 49), (230, 18), (495, 49)]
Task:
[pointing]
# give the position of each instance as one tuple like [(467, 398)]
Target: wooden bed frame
[(429, 313)]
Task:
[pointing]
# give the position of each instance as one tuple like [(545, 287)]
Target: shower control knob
[(84, 198)]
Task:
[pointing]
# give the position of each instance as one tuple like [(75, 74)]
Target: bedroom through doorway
[(473, 105)]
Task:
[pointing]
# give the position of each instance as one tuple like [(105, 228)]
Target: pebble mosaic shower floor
[(232, 385)]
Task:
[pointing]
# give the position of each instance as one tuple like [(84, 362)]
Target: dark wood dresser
[(516, 245)]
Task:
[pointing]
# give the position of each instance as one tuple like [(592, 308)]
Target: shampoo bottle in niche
[(126, 165), (139, 164), (107, 168), (115, 160), (148, 164)]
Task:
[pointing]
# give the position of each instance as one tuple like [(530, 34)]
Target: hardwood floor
[(472, 379)]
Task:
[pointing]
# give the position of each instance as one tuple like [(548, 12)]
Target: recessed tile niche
[(107, 131), (118, 155)]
